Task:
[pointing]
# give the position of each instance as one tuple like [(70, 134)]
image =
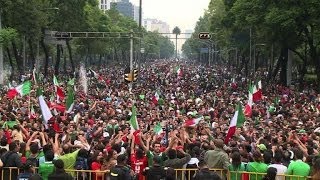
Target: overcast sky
[(182, 13)]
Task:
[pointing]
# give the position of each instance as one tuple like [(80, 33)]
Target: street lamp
[(254, 55)]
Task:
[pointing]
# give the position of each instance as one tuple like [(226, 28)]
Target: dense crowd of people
[(281, 136)]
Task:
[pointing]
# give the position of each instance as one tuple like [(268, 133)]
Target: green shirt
[(298, 168), (40, 154), (150, 156), (235, 175), (45, 169), (69, 160), (257, 167)]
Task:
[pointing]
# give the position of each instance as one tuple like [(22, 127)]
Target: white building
[(105, 4), (156, 25)]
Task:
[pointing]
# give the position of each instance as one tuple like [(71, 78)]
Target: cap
[(262, 147), (302, 131)]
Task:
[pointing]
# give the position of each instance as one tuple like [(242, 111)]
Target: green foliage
[(176, 30), (7, 35), (157, 46)]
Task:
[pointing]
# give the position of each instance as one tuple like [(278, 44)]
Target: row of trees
[(24, 38), (278, 26)]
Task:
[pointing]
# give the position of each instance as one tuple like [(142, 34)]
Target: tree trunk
[(17, 57), (11, 63), (65, 64), (70, 55), (100, 60), (46, 54), (57, 65), (313, 54), (176, 45), (33, 61)]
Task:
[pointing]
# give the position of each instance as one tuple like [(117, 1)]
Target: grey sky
[(182, 13)]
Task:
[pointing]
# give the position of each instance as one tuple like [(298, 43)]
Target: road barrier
[(10, 173)]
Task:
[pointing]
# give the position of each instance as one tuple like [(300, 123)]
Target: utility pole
[(1, 56), (131, 58), (250, 48), (140, 29)]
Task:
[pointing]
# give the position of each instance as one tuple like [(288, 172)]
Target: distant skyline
[(181, 13)]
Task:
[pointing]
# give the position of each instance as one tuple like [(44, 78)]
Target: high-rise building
[(156, 25), (105, 4), (124, 7), (136, 13)]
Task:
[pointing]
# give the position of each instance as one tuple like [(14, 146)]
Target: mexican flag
[(158, 129), (178, 71), (257, 92), (46, 113), (135, 130), (193, 122), (233, 83), (70, 97), (58, 89), (155, 98), (95, 75), (237, 121), (23, 89), (248, 107), (32, 114), (35, 76), (133, 120)]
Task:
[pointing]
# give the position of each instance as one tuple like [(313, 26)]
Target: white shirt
[(281, 169)]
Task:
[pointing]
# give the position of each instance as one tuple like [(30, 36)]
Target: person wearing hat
[(59, 172), (29, 172)]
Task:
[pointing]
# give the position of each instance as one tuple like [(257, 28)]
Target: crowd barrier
[(10, 173)]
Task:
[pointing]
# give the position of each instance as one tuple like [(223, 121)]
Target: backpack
[(81, 164), (34, 161)]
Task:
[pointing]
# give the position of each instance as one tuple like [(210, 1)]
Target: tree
[(177, 32)]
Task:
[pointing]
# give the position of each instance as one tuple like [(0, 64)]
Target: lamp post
[(254, 56)]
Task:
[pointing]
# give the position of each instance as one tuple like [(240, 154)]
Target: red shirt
[(138, 165), (95, 166)]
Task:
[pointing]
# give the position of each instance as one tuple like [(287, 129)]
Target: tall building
[(124, 7), (136, 13), (156, 25), (105, 4)]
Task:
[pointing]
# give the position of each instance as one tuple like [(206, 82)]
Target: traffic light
[(131, 76), (204, 35), (135, 75)]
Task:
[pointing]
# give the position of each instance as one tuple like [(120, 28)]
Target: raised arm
[(30, 140), (43, 139)]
